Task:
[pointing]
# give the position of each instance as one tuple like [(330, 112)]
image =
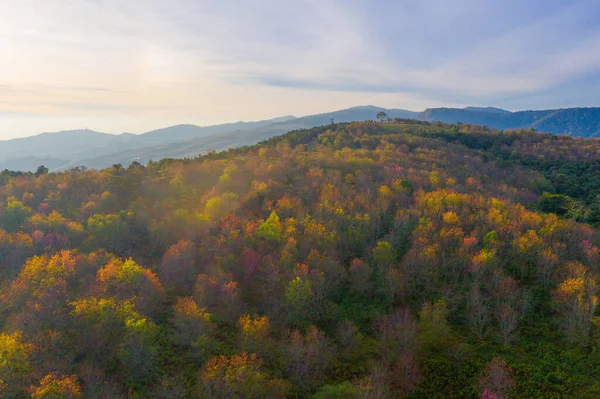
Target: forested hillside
[(86, 148), (361, 260)]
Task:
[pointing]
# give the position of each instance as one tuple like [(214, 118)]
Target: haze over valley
[(91, 149)]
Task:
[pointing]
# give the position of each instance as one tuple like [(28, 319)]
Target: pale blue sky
[(136, 65)]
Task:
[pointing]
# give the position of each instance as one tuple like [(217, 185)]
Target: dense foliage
[(363, 260)]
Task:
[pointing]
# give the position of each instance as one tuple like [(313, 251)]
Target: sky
[(137, 65)]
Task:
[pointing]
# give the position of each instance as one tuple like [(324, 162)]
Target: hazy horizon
[(139, 65), (116, 132)]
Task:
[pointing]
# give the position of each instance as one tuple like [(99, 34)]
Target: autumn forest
[(358, 260)]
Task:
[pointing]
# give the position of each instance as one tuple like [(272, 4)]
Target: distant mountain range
[(581, 122), (67, 149)]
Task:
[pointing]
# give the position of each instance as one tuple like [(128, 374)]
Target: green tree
[(15, 364), (381, 116), (555, 203), (434, 333), (41, 170), (345, 390), (110, 231), (298, 298), (271, 228), (138, 352), (14, 216)]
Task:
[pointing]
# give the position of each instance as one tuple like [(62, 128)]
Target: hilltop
[(68, 149), (411, 259)]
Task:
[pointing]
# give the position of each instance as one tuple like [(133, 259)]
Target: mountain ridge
[(581, 121), (85, 147)]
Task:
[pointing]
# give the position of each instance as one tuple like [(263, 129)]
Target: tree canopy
[(360, 260)]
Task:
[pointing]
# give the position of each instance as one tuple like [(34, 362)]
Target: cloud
[(522, 58), (207, 61)]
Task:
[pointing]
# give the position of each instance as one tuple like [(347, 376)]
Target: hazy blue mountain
[(487, 109), (582, 122), (70, 148), (63, 150), (31, 163), (225, 140), (183, 132), (361, 113), (60, 144)]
